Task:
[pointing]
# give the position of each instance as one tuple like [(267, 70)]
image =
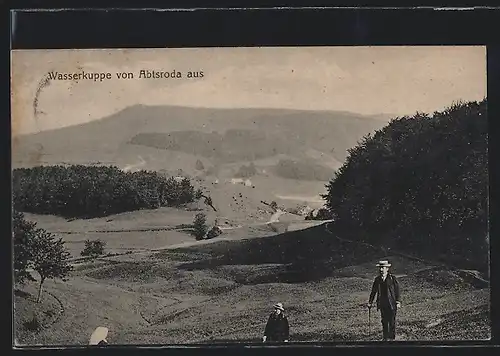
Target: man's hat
[(279, 306), (383, 263)]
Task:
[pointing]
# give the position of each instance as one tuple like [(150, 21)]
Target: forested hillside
[(420, 184)]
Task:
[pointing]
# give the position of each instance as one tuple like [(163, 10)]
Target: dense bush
[(320, 214), (420, 183), (93, 248), (213, 232), (87, 191)]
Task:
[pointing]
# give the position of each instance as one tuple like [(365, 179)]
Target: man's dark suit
[(387, 298)]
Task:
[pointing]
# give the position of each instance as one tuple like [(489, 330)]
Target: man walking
[(386, 287), (277, 328)]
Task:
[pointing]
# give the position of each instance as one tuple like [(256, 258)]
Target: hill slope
[(223, 291)]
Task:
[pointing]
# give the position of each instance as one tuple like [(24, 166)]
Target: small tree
[(22, 234), (199, 165), (49, 257), (93, 248), (200, 226)]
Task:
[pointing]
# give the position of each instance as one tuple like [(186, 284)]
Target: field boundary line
[(167, 228)]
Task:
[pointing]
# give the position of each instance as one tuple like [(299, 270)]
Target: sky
[(367, 80)]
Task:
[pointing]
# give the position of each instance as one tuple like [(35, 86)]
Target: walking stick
[(369, 322)]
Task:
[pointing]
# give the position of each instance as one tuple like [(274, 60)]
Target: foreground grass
[(224, 291)]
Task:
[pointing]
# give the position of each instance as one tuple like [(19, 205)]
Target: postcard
[(263, 195)]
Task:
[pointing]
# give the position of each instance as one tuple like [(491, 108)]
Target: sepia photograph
[(269, 195)]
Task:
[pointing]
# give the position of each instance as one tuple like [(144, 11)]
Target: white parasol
[(98, 335)]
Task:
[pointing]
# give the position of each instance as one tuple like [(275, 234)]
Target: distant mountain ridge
[(156, 134)]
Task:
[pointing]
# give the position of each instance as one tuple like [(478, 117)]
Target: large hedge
[(421, 184), (92, 191)]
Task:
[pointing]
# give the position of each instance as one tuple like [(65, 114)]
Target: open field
[(131, 231), (222, 290)]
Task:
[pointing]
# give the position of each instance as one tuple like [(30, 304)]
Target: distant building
[(245, 182), (237, 181), (304, 210)]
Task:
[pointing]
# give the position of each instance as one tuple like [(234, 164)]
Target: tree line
[(421, 184), (80, 191)]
